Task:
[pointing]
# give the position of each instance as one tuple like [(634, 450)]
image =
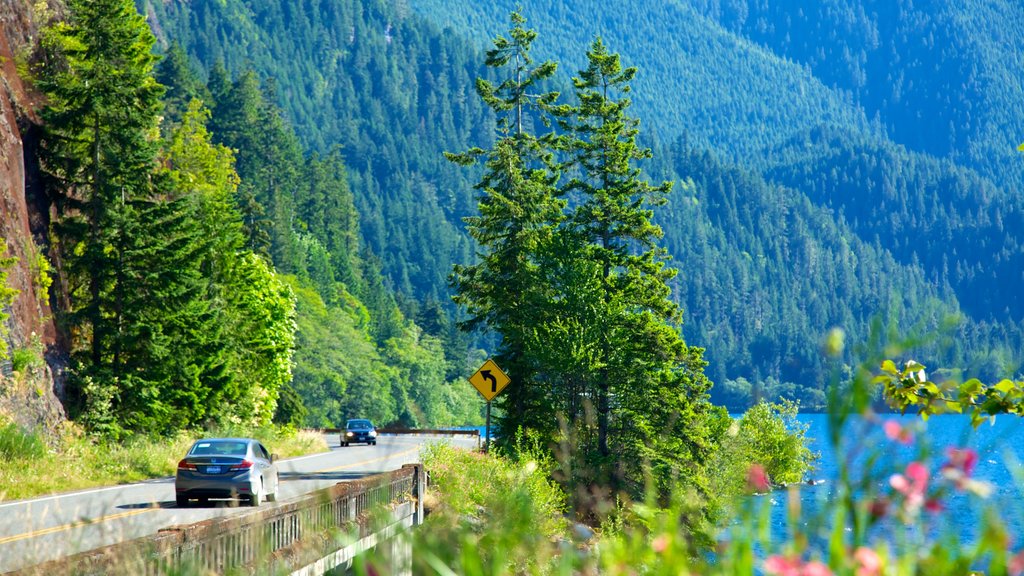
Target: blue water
[(873, 458)]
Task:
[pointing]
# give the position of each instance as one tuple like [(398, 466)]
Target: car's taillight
[(186, 465), (243, 465)]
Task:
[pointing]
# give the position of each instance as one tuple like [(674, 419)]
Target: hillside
[(942, 77), (809, 207)]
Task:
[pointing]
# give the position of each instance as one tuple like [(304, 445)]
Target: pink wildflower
[(782, 566), (787, 566), (816, 568), (757, 479), (894, 431), (961, 459), (912, 486), (660, 544), (1016, 565), (958, 469), (868, 562)]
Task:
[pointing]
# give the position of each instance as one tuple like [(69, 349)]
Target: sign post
[(489, 381)]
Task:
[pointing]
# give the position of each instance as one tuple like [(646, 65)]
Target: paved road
[(33, 531)]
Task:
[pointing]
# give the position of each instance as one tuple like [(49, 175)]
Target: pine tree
[(649, 386), (175, 72), (518, 217), (99, 150)]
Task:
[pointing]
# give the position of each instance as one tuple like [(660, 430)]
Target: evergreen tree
[(656, 381), (519, 214), (175, 73), (269, 161), (99, 150)]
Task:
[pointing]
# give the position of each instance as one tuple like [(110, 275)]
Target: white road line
[(124, 486)]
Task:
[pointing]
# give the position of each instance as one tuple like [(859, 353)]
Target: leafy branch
[(910, 388)]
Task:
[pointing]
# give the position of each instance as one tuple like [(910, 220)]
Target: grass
[(487, 512), (30, 467)]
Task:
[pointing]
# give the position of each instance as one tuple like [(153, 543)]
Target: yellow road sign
[(489, 380)]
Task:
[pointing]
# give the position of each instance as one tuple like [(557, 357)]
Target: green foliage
[(42, 272), (369, 82), (290, 409), (7, 295), (506, 290), (639, 357), (574, 282), (339, 373), (28, 357), (264, 325), (742, 97), (768, 435), (910, 388), (491, 515), (17, 444)]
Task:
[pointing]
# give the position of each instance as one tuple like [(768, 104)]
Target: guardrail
[(412, 432), (307, 535)]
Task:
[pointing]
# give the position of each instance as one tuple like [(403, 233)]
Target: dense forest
[(209, 270), (807, 196)]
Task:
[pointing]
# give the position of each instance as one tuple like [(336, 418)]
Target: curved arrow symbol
[(488, 376)]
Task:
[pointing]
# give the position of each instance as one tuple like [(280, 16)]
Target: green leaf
[(1005, 386)]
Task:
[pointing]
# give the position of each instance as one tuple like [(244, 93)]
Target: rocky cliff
[(29, 390)]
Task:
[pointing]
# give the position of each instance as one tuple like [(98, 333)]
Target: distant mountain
[(804, 200), (942, 77)]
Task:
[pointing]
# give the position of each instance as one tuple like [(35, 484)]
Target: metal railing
[(287, 537)]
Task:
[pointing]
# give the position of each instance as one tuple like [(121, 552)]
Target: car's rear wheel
[(257, 496), (181, 501)]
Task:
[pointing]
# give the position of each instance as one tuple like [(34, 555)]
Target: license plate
[(213, 469)]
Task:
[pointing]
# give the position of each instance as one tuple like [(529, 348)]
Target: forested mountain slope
[(784, 88), (387, 87), (939, 77), (727, 93), (943, 77), (802, 215)]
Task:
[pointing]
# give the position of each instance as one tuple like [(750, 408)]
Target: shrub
[(16, 443), (769, 436)]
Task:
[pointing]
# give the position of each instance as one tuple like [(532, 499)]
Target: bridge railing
[(411, 432), (331, 524)]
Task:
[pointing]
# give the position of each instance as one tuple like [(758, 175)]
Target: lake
[(1000, 448)]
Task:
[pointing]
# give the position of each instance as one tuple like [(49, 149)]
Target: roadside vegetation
[(894, 507), (33, 466)]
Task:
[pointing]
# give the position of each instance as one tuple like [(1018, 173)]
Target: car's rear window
[(218, 448), (359, 424)]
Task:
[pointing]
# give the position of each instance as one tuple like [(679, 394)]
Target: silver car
[(226, 468)]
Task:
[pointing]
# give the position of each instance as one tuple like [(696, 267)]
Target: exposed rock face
[(30, 395)]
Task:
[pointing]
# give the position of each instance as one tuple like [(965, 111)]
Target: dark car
[(359, 430), (239, 468)]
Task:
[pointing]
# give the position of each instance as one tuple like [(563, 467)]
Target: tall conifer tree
[(99, 149), (519, 213), (649, 385)]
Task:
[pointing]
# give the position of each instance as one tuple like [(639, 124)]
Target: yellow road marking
[(80, 523), (71, 526)]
